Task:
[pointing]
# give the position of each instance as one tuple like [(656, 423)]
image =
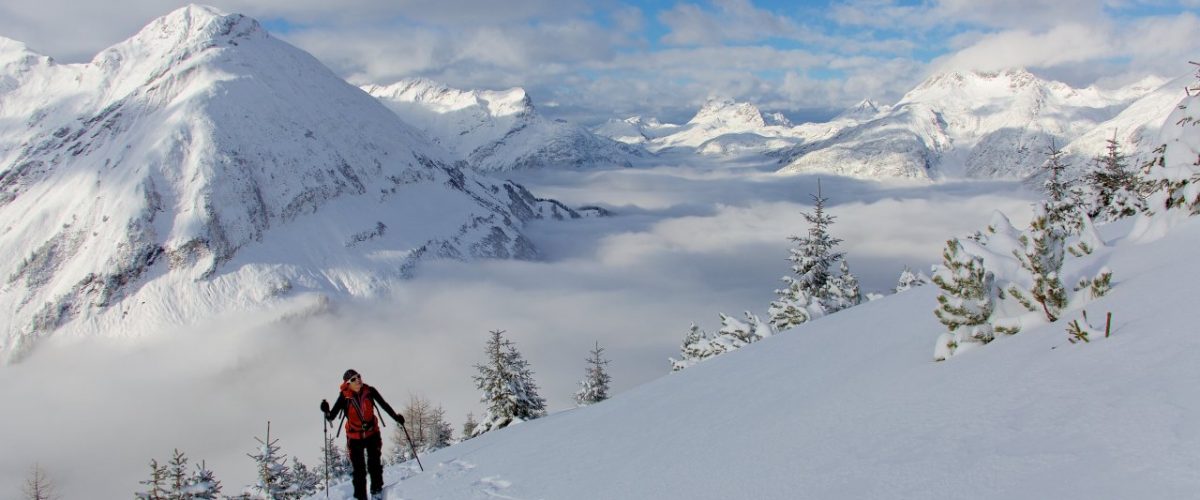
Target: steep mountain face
[(971, 124), (497, 130), (204, 167)]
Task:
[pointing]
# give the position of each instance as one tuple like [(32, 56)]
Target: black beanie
[(349, 373)]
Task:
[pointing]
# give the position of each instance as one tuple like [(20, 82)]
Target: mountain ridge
[(173, 152)]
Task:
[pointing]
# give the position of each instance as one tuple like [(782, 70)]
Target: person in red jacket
[(357, 401)]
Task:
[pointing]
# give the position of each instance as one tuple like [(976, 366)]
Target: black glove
[(325, 407), (400, 418)]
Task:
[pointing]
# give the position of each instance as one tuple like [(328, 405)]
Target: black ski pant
[(372, 446)]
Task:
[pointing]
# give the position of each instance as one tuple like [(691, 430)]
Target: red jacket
[(361, 421)]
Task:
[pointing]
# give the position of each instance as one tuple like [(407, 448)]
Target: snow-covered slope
[(204, 167), (1136, 128), (851, 406), (497, 130), (969, 124)]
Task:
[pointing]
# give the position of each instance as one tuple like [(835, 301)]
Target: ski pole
[(325, 433), (411, 447)]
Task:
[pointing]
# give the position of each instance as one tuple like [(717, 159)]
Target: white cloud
[(732, 20), (1009, 49), (1159, 45)]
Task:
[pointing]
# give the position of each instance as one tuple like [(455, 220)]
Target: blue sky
[(590, 61)]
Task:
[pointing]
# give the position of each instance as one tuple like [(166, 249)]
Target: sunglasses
[(354, 379)]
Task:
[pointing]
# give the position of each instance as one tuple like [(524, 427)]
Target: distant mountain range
[(203, 167), (954, 125)]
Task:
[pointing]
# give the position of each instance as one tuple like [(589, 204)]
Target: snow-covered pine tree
[(274, 482), (203, 485), (1113, 188), (734, 333), (1042, 256), (337, 460), (965, 303), (804, 296), (38, 485), (594, 386), (842, 291), (469, 425), (509, 390), (304, 481), (696, 347), (1063, 201), (909, 280), (1173, 173)]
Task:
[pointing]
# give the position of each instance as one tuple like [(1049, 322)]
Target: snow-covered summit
[(725, 113), (634, 130), (866, 109), (496, 130), (441, 98), (966, 124), (724, 126), (175, 176)]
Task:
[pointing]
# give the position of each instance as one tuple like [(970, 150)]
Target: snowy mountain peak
[(441, 98), (865, 109), (495, 129), (16, 58), (1013, 77), (726, 113), (195, 157), (184, 31)]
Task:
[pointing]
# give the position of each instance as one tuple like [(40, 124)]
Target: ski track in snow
[(446, 477)]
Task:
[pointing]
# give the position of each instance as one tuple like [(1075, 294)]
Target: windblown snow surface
[(852, 406)]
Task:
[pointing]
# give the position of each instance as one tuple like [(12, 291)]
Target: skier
[(357, 401)]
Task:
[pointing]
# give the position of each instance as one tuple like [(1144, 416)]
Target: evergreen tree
[(698, 346), (442, 433), (594, 386), (965, 303), (304, 481), (1113, 187), (38, 485), (509, 390), (1042, 256), (843, 290), (909, 280), (274, 481), (177, 474), (469, 426), (1063, 200), (691, 351), (158, 485), (202, 485), (1173, 173), (813, 291), (337, 461)]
